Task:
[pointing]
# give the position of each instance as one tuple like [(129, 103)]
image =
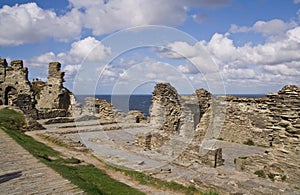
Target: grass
[(271, 176), (145, 179), (87, 177), (11, 119), (260, 173)]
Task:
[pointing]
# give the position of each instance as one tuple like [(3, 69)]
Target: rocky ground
[(114, 143)]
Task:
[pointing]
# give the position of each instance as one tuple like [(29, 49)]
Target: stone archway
[(9, 94)]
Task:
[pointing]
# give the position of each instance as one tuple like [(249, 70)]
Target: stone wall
[(166, 108), (17, 91), (165, 117), (281, 161), (95, 108), (13, 81), (54, 95), (246, 121)]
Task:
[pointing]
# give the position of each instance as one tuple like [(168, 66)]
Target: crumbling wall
[(171, 119), (246, 121), (54, 95), (166, 108), (165, 117), (281, 160), (208, 118), (13, 81), (15, 88), (100, 108)]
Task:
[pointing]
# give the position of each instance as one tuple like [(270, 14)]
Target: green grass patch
[(260, 173), (87, 177), (145, 179), (271, 176), (11, 119)]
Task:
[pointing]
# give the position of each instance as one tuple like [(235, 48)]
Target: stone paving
[(118, 147), (21, 173)]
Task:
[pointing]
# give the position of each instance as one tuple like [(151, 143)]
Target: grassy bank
[(87, 177)]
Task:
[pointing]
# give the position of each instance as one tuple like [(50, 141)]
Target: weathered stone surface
[(13, 81), (52, 113), (100, 108), (282, 159), (166, 108), (135, 116), (54, 95)]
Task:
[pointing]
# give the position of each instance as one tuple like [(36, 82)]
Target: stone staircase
[(21, 173)]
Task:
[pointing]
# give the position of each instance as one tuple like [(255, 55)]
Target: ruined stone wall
[(101, 108), (246, 121), (54, 95), (13, 81), (281, 161), (166, 108)]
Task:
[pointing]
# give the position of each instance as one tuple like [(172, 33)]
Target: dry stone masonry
[(13, 81), (54, 95), (17, 91), (281, 162), (174, 119), (165, 117)]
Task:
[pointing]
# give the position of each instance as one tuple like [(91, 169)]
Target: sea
[(142, 103)]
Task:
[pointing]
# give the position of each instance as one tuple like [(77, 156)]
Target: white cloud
[(296, 1), (266, 28), (72, 70), (88, 49), (187, 69), (42, 60), (282, 69), (29, 23), (275, 26), (83, 52), (275, 61), (178, 49), (238, 29), (107, 16)]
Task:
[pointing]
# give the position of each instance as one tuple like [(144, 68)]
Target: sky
[(127, 46)]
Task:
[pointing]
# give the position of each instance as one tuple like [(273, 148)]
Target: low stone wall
[(53, 113)]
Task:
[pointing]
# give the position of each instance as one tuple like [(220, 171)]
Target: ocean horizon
[(142, 102)]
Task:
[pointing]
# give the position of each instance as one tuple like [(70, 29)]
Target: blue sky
[(126, 46)]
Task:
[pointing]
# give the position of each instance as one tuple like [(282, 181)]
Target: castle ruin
[(16, 90), (13, 81), (54, 95)]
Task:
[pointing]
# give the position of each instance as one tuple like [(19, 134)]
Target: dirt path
[(87, 157)]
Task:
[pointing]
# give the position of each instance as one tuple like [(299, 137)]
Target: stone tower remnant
[(14, 81), (54, 95)]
